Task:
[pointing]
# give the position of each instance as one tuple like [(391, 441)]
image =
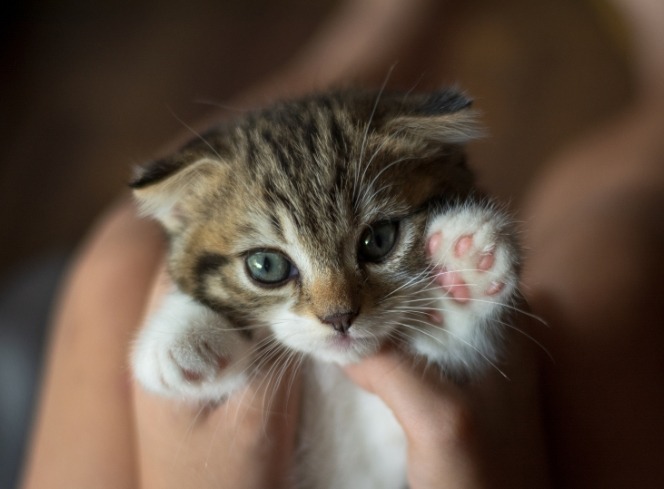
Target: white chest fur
[(349, 438)]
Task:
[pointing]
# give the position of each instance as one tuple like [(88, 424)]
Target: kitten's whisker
[(283, 367), (300, 359), (270, 381), (366, 199), (197, 134), (226, 107), (365, 135), (187, 433), (413, 282), (458, 338), (363, 200), (512, 308), (437, 308), (387, 167), (529, 337), (258, 346), (263, 384)]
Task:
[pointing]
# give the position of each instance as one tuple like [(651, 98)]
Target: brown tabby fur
[(319, 170)]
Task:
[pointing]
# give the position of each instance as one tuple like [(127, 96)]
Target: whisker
[(424, 311), (197, 134), (458, 338), (365, 134)]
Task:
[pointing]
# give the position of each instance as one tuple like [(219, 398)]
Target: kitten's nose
[(340, 321)]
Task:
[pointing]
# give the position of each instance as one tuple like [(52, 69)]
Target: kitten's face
[(307, 220)]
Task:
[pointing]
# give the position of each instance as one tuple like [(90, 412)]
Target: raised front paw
[(189, 352), (473, 268), (474, 257)]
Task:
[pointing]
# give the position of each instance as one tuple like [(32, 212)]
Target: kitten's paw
[(474, 256), (189, 352), (474, 262)]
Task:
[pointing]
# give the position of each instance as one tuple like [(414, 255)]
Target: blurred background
[(89, 89)]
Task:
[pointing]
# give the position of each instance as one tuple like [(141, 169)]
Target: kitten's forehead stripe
[(337, 136), (252, 154), (276, 226), (312, 136), (277, 148)]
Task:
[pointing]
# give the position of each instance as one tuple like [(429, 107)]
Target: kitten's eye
[(269, 267), (377, 241)]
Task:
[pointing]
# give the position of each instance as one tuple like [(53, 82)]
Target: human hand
[(485, 433)]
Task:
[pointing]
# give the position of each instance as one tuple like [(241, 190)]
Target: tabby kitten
[(327, 226)]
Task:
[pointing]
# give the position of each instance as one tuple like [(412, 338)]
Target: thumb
[(418, 394)]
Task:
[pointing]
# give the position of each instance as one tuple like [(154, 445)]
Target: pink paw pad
[(495, 288), (453, 283), (463, 244), (467, 257), (191, 376), (434, 243), (486, 261), (472, 264), (435, 316), (220, 361)]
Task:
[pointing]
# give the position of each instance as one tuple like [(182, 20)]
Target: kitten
[(327, 226)]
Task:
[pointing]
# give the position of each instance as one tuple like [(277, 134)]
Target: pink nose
[(340, 321)]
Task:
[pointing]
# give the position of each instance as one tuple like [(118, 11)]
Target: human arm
[(96, 428)]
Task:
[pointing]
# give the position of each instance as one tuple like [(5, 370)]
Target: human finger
[(484, 433)]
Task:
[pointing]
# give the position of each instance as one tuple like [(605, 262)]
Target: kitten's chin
[(324, 344), (345, 349)]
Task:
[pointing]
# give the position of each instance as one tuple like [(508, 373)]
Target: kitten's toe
[(187, 351), (470, 271), (178, 369), (194, 362), (194, 370)]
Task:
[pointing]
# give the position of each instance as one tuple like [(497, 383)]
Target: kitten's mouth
[(347, 343), (332, 346), (342, 341)]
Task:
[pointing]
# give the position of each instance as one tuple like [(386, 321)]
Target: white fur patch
[(349, 438), (182, 340)]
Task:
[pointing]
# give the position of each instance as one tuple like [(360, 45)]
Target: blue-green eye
[(377, 241), (269, 267)]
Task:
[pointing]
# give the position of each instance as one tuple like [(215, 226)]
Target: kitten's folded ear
[(166, 189), (435, 119)]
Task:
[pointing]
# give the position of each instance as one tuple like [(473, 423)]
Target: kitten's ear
[(166, 189), (435, 119)]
